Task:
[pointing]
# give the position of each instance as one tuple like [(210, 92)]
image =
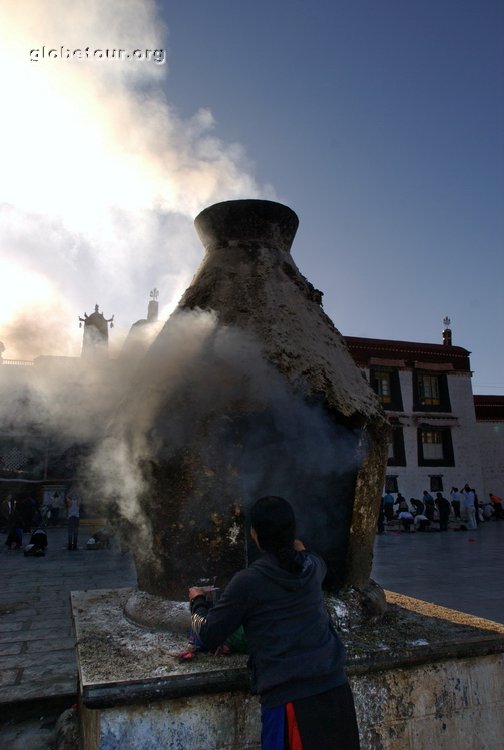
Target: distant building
[(490, 430), (52, 411), (95, 339), (439, 438), (37, 457), (143, 332)]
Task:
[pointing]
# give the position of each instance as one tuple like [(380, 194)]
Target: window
[(435, 447), (386, 385), (432, 444), (391, 483), (381, 383), (396, 453), (436, 482), (430, 392)]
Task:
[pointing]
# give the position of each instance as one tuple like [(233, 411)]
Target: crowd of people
[(430, 513), (17, 516), (23, 515)]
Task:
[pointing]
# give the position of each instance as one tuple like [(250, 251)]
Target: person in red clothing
[(296, 657), (497, 506)]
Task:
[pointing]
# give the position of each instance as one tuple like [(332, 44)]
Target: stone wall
[(452, 705), (491, 446), (466, 436)]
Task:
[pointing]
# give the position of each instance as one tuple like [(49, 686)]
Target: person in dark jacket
[(15, 536), (296, 658), (444, 508), (430, 507)]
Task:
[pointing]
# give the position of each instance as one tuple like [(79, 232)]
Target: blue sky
[(381, 123)]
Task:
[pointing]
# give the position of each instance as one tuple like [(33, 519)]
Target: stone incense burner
[(249, 390)]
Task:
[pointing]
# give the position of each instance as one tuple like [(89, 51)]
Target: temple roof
[(394, 353), (489, 408)]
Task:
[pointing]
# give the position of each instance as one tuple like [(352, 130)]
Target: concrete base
[(450, 705), (443, 691), (207, 722)]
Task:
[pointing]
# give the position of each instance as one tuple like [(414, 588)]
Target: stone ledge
[(120, 663)]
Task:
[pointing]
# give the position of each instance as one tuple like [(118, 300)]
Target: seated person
[(406, 519), (422, 523)]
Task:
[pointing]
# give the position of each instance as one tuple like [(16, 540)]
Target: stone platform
[(424, 677)]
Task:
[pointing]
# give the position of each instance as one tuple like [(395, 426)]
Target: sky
[(380, 122)]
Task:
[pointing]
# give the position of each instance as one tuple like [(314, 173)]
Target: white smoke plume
[(100, 181), (100, 176), (197, 379)]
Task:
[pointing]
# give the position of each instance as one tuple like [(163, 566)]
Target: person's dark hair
[(275, 524)]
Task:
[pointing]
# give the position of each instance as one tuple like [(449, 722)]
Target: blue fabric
[(273, 728)]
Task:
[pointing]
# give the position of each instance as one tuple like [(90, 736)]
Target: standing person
[(470, 506), (443, 506), (296, 658), (477, 508), (388, 506), (57, 504), (73, 514), (429, 505), (5, 511), (455, 498), (26, 513), (15, 536)]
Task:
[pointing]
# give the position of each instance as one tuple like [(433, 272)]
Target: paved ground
[(38, 671), (458, 569)]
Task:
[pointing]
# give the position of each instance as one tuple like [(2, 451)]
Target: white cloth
[(469, 498)]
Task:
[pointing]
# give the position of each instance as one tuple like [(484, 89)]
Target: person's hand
[(195, 591), (298, 545)]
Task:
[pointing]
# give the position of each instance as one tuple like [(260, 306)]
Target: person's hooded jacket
[(294, 649)]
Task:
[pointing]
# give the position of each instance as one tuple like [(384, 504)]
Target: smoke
[(100, 181), (221, 370), (100, 175), (115, 472), (205, 389)]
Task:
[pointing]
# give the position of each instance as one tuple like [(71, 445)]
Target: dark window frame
[(444, 404), (399, 453), (391, 484), (447, 458), (436, 482), (395, 402)]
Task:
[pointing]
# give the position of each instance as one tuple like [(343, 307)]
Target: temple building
[(95, 340), (52, 411), (442, 435)]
